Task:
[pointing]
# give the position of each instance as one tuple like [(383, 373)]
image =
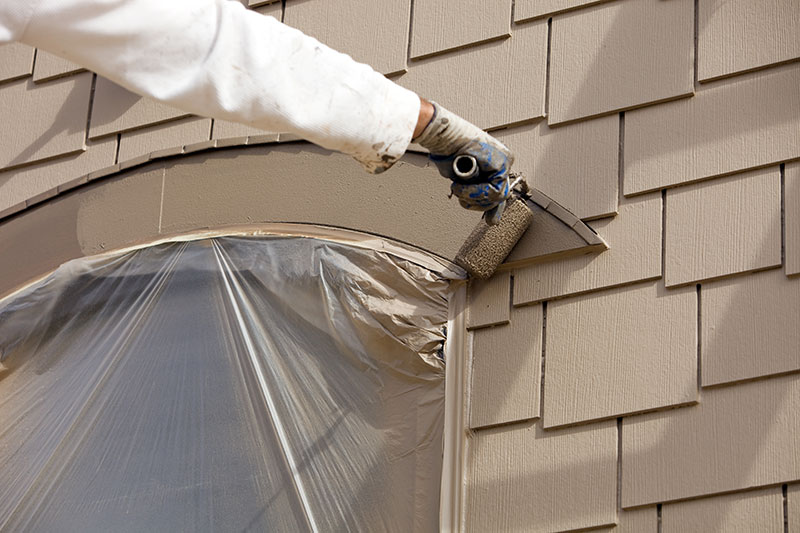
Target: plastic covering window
[(231, 384)]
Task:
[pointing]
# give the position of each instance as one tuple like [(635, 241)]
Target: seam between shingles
[(619, 464), (783, 214), (621, 159), (116, 153), (410, 30), (664, 235), (658, 517), (785, 492), (696, 36), (699, 341), (547, 69), (544, 351), (89, 112)]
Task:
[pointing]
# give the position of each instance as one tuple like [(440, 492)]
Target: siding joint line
[(785, 491), (116, 153), (664, 235), (410, 30), (283, 10), (547, 70), (696, 42), (89, 113), (544, 349), (699, 340), (658, 516), (619, 464), (783, 215), (621, 158)]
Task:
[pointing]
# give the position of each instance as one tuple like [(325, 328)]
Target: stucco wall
[(651, 385)]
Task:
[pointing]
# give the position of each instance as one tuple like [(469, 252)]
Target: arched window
[(228, 383)]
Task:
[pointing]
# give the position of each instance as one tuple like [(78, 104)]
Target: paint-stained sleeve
[(215, 58)]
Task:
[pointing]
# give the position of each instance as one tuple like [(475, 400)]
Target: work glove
[(448, 137)]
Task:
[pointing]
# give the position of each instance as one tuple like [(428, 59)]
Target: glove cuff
[(446, 133)]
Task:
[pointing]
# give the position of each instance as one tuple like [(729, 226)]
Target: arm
[(215, 58)]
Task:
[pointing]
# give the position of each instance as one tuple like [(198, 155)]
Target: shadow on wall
[(747, 449), (61, 123)]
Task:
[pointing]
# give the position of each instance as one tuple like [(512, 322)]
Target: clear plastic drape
[(228, 384)]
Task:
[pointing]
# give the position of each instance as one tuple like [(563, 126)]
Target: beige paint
[(16, 61), (792, 220), (234, 187), (116, 109), (506, 367), (730, 125), (597, 375), (524, 478), (454, 80), (529, 9), (49, 66), (170, 134), (793, 500), (750, 327), (547, 238), (736, 438), (489, 301), (438, 28), (744, 512), (727, 31), (55, 125), (371, 32), (620, 55), (23, 183), (729, 226), (634, 239), (584, 180)]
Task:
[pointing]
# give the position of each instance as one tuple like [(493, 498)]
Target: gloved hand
[(448, 136)]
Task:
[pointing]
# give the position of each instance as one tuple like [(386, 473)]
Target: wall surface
[(654, 386)]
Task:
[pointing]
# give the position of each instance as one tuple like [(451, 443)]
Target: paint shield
[(233, 383)]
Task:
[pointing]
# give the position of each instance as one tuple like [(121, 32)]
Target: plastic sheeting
[(231, 384)]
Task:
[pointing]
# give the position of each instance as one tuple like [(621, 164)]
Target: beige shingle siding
[(740, 35), (730, 125), (724, 227), (529, 9), (55, 119), (760, 510), (490, 75), (175, 133), (506, 366), (23, 183), (750, 327), (371, 32), (736, 438), (16, 61), (489, 301), (620, 351), (439, 26), (523, 478), (634, 239), (49, 66), (620, 55), (116, 109), (584, 180)]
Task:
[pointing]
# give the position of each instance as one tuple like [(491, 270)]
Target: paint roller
[(488, 245)]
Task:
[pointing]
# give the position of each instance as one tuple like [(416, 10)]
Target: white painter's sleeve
[(215, 58)]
